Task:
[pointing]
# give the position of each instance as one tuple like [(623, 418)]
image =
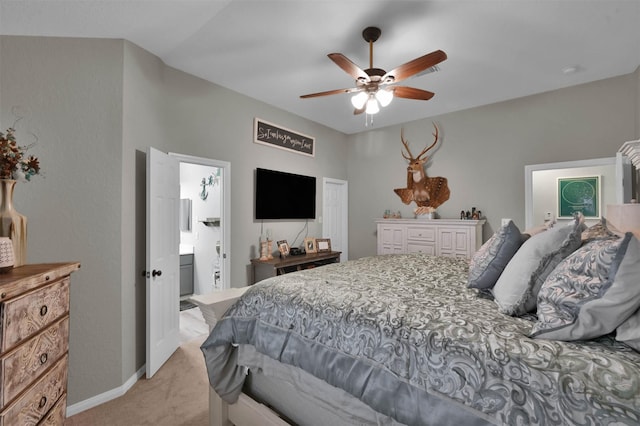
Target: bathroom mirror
[(185, 214)]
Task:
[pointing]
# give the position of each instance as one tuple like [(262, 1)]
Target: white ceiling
[(275, 51)]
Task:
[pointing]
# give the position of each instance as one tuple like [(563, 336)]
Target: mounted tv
[(281, 195)]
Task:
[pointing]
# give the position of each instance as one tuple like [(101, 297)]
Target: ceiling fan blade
[(330, 92), (349, 67), (412, 93), (357, 111), (412, 68)]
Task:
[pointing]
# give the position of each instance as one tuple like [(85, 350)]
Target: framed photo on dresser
[(283, 248), (310, 245), (323, 244)]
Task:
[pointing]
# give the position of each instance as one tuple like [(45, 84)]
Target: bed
[(404, 339)]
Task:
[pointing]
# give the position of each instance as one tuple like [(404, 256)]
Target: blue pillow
[(490, 260)]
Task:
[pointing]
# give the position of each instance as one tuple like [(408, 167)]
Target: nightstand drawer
[(34, 404), (22, 366), (26, 315), (423, 234)]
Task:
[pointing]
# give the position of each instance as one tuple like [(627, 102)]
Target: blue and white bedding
[(400, 331)]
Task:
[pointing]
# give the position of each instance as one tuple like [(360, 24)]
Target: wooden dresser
[(34, 344), (437, 237), (270, 268)]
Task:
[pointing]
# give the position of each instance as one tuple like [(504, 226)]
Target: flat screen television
[(281, 195)]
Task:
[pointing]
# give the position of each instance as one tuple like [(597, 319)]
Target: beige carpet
[(178, 394)]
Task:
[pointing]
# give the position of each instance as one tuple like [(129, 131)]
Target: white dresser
[(438, 237)]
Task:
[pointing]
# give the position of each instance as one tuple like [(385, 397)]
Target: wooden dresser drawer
[(33, 405), (57, 414), (20, 367), (26, 315)]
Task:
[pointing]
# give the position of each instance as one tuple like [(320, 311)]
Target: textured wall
[(484, 151)]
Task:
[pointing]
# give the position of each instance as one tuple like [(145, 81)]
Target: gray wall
[(484, 151), (98, 104)]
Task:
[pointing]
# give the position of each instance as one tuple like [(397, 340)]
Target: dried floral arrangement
[(14, 163)]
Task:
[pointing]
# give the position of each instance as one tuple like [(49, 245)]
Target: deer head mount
[(423, 190)]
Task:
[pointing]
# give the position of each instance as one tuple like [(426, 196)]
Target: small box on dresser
[(34, 343)]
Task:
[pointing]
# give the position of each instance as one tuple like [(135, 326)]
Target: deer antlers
[(424, 151)]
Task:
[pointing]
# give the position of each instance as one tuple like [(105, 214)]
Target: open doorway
[(203, 240)]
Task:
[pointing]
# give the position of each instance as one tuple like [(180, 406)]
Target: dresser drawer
[(423, 234), (22, 366), (429, 249), (57, 414), (27, 314), (35, 404)]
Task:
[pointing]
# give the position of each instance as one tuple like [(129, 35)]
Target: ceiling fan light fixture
[(359, 100), (372, 106), (384, 96)]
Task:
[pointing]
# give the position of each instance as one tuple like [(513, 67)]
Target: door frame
[(225, 211)]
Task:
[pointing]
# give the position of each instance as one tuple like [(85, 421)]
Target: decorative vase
[(12, 223)]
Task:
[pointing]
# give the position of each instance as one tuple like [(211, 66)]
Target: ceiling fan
[(376, 86)]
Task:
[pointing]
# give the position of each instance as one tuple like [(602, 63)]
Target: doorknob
[(155, 273)]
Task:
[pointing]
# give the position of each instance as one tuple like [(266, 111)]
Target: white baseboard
[(107, 396)]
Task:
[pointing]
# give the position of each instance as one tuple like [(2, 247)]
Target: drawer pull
[(43, 402), (43, 310), (43, 358)]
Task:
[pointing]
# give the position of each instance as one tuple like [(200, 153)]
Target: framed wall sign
[(280, 137), (579, 195)]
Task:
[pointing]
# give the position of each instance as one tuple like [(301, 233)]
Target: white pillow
[(629, 331)]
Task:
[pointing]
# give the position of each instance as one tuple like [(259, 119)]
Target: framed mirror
[(541, 186)]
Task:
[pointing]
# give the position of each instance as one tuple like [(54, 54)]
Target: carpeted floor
[(178, 394)]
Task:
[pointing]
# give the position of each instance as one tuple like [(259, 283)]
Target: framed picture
[(579, 195), (280, 137), (310, 245), (283, 248), (323, 244)]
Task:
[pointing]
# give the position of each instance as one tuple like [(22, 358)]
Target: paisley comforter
[(396, 331)]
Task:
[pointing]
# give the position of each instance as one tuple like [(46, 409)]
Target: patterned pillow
[(591, 292), (489, 261), (517, 288)]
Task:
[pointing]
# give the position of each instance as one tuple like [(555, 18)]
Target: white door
[(163, 262), (335, 223)]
